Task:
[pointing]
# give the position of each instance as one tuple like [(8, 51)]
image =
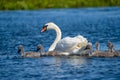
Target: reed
[(45, 4)]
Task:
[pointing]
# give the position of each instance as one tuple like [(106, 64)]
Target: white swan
[(67, 45)]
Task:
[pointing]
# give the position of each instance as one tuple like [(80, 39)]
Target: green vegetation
[(43, 4)]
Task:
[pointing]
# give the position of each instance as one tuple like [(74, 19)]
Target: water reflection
[(74, 61)]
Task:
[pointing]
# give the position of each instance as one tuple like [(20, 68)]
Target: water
[(23, 27)]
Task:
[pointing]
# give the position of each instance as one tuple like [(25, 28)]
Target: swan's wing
[(68, 44)]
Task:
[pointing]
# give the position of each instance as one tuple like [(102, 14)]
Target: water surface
[(23, 27)]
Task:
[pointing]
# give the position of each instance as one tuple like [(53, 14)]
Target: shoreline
[(101, 7)]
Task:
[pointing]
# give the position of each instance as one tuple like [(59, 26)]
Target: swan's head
[(48, 26), (20, 47)]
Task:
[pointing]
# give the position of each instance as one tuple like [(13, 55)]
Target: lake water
[(23, 27)]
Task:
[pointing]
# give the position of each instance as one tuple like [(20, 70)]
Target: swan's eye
[(44, 28)]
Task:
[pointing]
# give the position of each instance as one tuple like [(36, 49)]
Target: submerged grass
[(43, 4)]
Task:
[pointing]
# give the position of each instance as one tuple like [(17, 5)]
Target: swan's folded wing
[(68, 43)]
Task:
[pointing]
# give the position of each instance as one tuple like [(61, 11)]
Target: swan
[(27, 54), (109, 53), (97, 52), (67, 45), (49, 53), (40, 47), (111, 49), (58, 53), (43, 53), (110, 46), (97, 45)]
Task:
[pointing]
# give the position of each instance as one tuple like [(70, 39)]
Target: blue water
[(23, 27)]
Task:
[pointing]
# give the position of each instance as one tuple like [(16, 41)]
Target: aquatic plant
[(43, 4)]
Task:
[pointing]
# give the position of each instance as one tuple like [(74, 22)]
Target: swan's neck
[(57, 39), (42, 51), (91, 50), (22, 52)]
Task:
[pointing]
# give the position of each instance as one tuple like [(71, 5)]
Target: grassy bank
[(43, 4)]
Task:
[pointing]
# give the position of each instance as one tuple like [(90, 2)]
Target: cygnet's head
[(97, 43), (48, 26), (89, 45), (39, 47), (20, 47)]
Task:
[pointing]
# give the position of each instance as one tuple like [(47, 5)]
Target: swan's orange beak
[(44, 29)]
